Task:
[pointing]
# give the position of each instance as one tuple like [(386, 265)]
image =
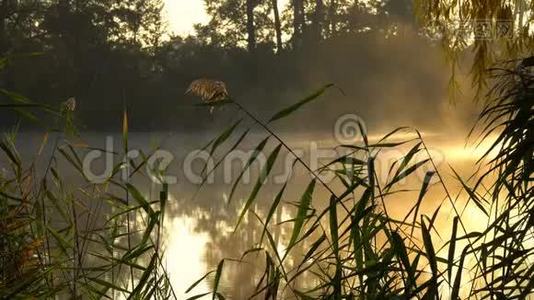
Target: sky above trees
[(181, 15)]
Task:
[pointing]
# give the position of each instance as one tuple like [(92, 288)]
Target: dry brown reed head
[(208, 90), (70, 104)]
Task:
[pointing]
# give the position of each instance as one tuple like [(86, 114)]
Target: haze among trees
[(106, 53)]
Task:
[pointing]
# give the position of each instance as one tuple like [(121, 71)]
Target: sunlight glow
[(185, 255)]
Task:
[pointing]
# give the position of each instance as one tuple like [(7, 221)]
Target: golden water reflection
[(199, 233)]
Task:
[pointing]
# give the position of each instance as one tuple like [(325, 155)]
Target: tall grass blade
[(257, 151), (217, 280), (259, 183)]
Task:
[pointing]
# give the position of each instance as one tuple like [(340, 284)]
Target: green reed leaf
[(304, 205)]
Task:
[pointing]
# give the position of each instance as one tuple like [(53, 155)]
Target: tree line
[(256, 23), (110, 52)]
